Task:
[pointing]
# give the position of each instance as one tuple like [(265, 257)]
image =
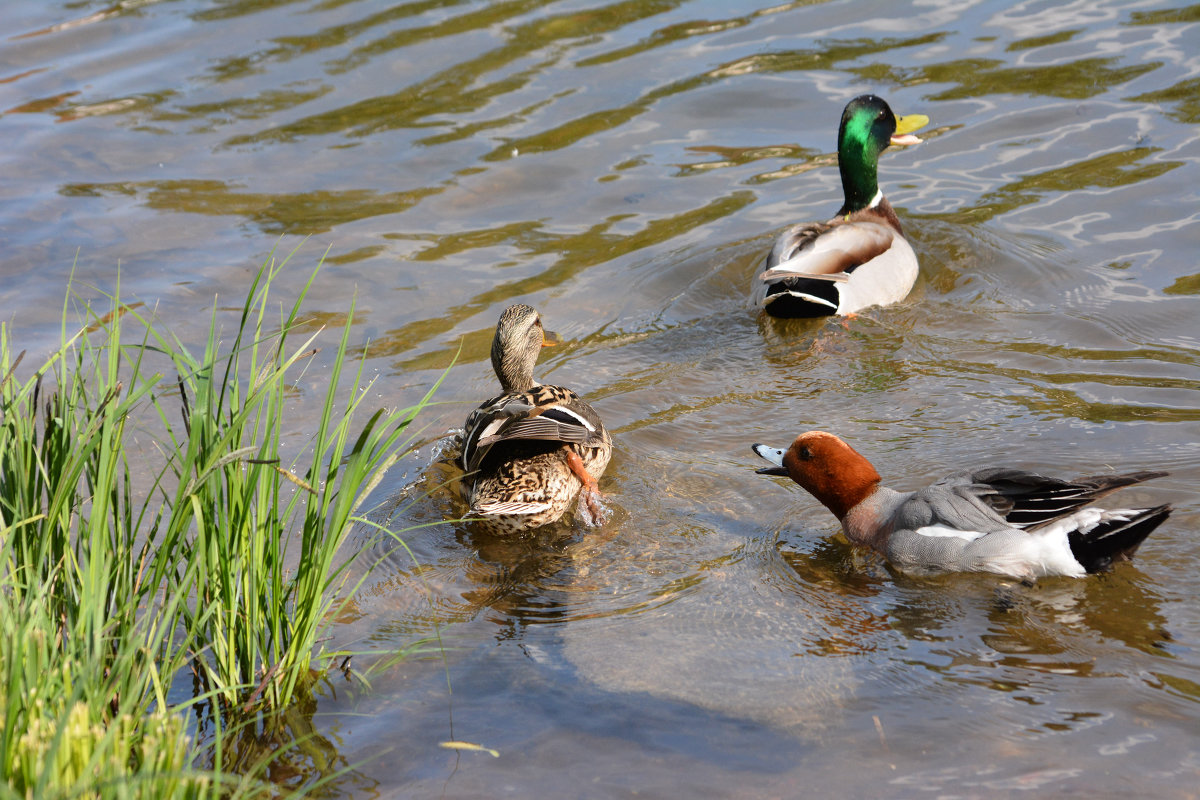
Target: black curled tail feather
[(1115, 539), (781, 302)]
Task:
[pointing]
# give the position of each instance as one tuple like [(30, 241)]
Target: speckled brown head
[(519, 338), (828, 468)]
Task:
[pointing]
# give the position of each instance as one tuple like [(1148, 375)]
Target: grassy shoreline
[(219, 577)]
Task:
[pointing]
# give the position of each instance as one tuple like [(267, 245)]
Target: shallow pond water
[(622, 166)]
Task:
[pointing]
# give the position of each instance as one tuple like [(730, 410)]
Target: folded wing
[(826, 251), (514, 418)]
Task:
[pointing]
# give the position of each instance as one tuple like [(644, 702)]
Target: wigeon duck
[(529, 452), (859, 258), (1006, 521)]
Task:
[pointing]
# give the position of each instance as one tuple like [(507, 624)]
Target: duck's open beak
[(905, 126), (550, 338), (775, 456)]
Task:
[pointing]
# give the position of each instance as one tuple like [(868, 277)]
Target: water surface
[(622, 166)]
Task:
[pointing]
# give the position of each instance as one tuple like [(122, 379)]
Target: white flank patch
[(1054, 550), (1053, 553), (942, 532), (1084, 521)]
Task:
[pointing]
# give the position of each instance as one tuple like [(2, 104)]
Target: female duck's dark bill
[(772, 454)]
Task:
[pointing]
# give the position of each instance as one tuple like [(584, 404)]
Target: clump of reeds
[(128, 571)]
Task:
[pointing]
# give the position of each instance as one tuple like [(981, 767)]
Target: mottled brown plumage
[(529, 452)]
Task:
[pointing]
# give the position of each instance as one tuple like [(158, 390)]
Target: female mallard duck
[(529, 452), (859, 258)]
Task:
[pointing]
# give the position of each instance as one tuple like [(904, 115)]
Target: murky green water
[(622, 166)]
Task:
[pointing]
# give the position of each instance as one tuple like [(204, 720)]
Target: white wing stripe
[(573, 415), (942, 532)]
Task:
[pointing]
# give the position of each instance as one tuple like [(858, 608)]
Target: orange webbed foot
[(591, 508)]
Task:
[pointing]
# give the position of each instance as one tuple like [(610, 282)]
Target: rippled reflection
[(623, 166)]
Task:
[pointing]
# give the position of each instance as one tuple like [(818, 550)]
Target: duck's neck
[(515, 386), (859, 167), (870, 521), (851, 485), (513, 377), (514, 369)]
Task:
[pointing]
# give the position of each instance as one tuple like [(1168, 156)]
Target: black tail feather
[(1115, 540), (784, 305)]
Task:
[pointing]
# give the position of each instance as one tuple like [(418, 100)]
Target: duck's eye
[(804, 453)]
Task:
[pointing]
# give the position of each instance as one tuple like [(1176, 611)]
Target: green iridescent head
[(868, 127)]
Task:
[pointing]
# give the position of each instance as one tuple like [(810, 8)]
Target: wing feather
[(827, 250), (515, 417), (509, 507)]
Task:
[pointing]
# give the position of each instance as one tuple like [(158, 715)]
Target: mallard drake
[(529, 452), (859, 258), (999, 519)]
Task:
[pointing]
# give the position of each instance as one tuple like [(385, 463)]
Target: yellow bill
[(905, 126)]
